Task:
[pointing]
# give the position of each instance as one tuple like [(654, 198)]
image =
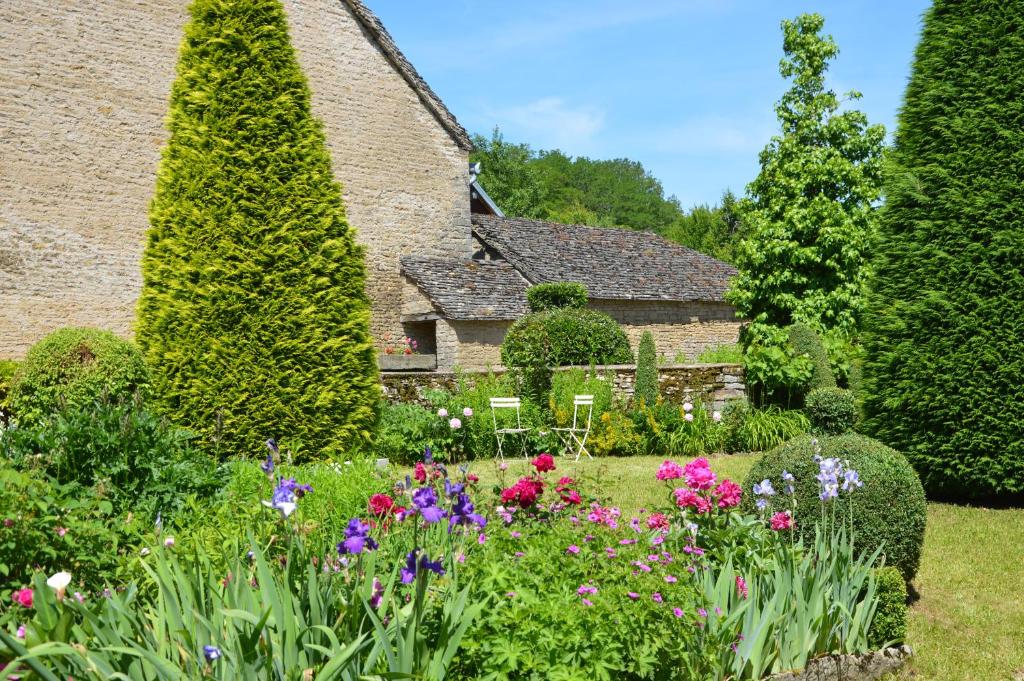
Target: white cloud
[(549, 122), (715, 135)]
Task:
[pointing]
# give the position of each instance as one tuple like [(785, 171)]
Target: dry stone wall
[(714, 384), (84, 90), (678, 328)]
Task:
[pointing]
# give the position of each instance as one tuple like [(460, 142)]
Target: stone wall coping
[(599, 367)]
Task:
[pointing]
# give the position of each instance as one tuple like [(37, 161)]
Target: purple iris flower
[(377, 596), (268, 465), (357, 538), (412, 567), (272, 446), (450, 490), (211, 653), (428, 455), (424, 500), (294, 487), (462, 513), (851, 480)]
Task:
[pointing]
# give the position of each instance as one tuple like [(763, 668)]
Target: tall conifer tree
[(253, 314), (944, 374)]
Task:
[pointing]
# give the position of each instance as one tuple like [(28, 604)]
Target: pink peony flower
[(728, 494), (687, 498), (782, 521), (455, 423), (687, 407), (716, 416), (698, 474), (467, 412), (61, 531), (688, 417), (442, 412), (381, 504), (420, 472), (23, 597), (669, 470)]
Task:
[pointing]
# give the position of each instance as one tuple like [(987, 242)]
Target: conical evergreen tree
[(253, 315), (645, 389), (944, 375)]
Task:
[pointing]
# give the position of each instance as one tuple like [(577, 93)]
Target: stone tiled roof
[(469, 289), (611, 263), (376, 29)]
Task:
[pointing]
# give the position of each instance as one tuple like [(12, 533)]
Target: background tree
[(507, 175), (945, 327), (253, 314), (645, 387), (809, 211)]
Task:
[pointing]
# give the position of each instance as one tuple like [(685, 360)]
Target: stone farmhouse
[(84, 89)]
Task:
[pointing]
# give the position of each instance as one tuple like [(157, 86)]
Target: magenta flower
[(782, 521), (656, 597), (587, 603), (741, 587), (670, 579), (573, 549), (586, 589), (515, 534), (678, 612), (633, 595), (728, 494), (669, 470), (698, 474)]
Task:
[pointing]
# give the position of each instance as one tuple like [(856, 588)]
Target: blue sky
[(686, 87)]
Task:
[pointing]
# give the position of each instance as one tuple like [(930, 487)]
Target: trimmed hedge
[(253, 313), (890, 623), (944, 331), (889, 510), (645, 388), (831, 411), (72, 368), (805, 341), (556, 295)]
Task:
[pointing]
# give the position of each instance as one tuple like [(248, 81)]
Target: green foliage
[(406, 430), (73, 367), (805, 342), (645, 388), (8, 367), (138, 460), (508, 175), (721, 354), (615, 434), (890, 625), (565, 385), (898, 528), (758, 430), (48, 526), (809, 212), (831, 411), (686, 429), (945, 327), (561, 337), (775, 372), (253, 314), (714, 230), (555, 295)]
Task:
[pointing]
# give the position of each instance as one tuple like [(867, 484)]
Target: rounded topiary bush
[(889, 510), (74, 367), (555, 295), (565, 337), (890, 623), (832, 411)]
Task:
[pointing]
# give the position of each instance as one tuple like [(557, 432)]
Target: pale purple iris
[(357, 538), (268, 465), (285, 498), (211, 653), (851, 481), (462, 513)]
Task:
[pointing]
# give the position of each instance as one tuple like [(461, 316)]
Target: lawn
[(969, 620)]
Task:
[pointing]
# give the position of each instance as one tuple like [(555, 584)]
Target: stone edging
[(859, 667)]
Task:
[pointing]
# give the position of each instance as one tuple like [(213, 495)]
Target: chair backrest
[(582, 401), (505, 403)]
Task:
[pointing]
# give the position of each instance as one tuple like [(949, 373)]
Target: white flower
[(169, 542), (442, 412), (716, 416), (455, 424), (285, 508), (59, 582), (467, 412), (144, 552), (688, 416), (687, 407)]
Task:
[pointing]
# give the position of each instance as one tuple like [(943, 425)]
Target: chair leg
[(500, 455)]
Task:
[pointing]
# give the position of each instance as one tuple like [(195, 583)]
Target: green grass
[(969, 620)]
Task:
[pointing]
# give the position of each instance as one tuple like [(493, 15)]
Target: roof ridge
[(372, 24)]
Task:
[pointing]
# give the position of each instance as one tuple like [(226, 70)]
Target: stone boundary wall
[(861, 667), (715, 384)]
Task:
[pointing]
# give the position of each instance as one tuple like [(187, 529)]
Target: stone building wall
[(677, 328), (84, 92), (474, 345), (715, 384)]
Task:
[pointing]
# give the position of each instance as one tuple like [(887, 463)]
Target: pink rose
[(23, 597)]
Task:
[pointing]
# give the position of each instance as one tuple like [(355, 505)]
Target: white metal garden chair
[(501, 432), (574, 439)]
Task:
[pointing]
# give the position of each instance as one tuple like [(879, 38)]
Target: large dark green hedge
[(253, 312), (944, 375), (72, 368), (889, 510)]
